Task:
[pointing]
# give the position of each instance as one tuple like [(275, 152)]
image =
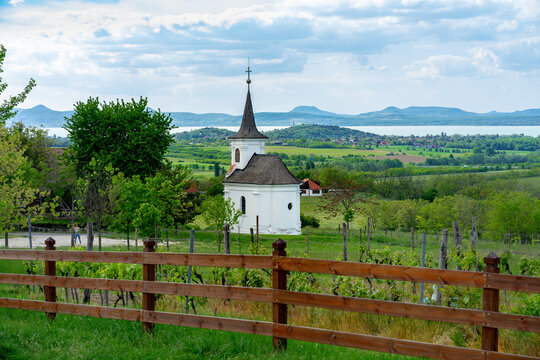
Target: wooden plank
[(209, 291), (74, 309), (414, 311), (82, 256), (73, 282), (379, 271), (237, 261), (209, 322), (388, 345), (530, 284), (155, 287)]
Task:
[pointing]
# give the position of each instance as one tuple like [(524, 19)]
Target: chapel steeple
[(248, 129)]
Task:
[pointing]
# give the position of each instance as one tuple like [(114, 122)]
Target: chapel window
[(237, 155), (243, 205), (289, 206)]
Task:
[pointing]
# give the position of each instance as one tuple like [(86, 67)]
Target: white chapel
[(260, 185)]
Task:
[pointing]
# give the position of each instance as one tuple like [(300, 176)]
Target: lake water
[(388, 130)]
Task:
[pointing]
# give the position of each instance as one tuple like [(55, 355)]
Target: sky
[(346, 57)]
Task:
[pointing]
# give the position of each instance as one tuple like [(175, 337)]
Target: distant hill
[(317, 132), (391, 116)]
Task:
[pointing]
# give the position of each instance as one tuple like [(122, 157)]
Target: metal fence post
[(50, 270), (149, 274), (279, 281), (490, 336)]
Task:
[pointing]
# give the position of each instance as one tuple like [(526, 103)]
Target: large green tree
[(127, 135), (7, 108)]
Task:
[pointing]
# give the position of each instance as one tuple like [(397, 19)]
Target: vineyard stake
[(149, 274), (279, 282), (423, 264), (226, 239), (344, 242), (191, 251)]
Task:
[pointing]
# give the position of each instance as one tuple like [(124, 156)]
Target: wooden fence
[(489, 318)]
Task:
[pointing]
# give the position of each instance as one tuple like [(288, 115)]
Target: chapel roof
[(248, 129), (263, 170)]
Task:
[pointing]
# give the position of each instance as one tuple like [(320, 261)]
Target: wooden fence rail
[(489, 318)]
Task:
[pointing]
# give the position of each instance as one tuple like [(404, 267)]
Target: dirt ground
[(20, 240)]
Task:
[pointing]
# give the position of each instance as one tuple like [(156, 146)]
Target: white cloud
[(16, 2), (438, 66), (115, 47)]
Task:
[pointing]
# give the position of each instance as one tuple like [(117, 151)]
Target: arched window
[(289, 206), (237, 155), (243, 204)]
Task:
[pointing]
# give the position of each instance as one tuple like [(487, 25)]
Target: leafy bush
[(308, 220)]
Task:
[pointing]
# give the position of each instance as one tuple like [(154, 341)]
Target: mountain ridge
[(41, 115)]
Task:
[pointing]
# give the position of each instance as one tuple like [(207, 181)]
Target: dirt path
[(20, 240)]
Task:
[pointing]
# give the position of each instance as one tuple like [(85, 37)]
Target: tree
[(7, 108), (16, 192), (127, 135), (97, 199), (146, 218), (344, 192), (218, 211)]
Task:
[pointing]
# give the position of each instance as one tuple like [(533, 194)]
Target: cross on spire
[(248, 72)]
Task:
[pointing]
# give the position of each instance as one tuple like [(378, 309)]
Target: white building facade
[(260, 185)]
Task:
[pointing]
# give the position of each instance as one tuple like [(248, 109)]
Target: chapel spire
[(248, 129)]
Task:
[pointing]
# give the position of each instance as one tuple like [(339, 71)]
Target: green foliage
[(307, 220), (7, 108), (17, 186), (529, 267), (147, 216), (127, 135)]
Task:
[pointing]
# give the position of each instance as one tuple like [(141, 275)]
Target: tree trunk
[(90, 236), (6, 241), (127, 237), (72, 233)]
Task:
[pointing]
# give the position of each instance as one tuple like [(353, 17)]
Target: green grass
[(28, 335)]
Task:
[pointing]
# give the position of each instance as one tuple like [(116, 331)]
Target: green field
[(29, 335)]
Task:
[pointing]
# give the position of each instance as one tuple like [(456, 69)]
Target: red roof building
[(310, 188)]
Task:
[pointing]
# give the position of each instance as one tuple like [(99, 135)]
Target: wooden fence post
[(149, 274), (226, 239), (251, 233), (6, 240), (344, 242), (50, 270), (279, 281), (490, 336)]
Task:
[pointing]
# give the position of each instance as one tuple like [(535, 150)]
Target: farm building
[(310, 188)]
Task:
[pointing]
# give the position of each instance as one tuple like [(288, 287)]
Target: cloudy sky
[(342, 56)]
